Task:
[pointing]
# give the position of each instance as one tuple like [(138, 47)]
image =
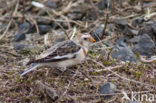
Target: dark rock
[(20, 46), (42, 12), (122, 27), (51, 4), (97, 33), (32, 29), (3, 26), (104, 4), (59, 40), (44, 21), (137, 21), (107, 88), (149, 29), (42, 29), (129, 32), (20, 36), (145, 46), (122, 52), (24, 26)]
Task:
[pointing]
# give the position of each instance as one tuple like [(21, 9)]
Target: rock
[(121, 23), (51, 4), (107, 88), (44, 21), (20, 36), (42, 12), (129, 32), (42, 29), (137, 21), (59, 40), (122, 27), (23, 28), (104, 4), (97, 33), (145, 46), (149, 29), (20, 46), (122, 52), (3, 26)]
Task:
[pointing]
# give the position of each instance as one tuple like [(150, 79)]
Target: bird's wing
[(63, 51)]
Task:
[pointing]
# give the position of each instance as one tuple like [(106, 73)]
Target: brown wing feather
[(66, 48)]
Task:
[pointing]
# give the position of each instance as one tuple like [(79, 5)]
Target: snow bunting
[(64, 54)]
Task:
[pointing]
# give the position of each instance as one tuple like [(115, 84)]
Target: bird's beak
[(91, 39)]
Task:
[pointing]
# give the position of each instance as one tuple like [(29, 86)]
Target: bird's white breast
[(79, 58)]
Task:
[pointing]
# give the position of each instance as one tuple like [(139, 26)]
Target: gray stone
[(23, 28), (42, 29), (122, 27), (145, 46), (20, 36), (59, 40), (20, 46), (122, 52), (137, 21), (51, 4), (149, 29), (97, 33), (107, 88)]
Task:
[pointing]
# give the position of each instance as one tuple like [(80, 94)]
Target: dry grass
[(79, 84)]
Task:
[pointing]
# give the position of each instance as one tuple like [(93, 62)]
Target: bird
[(63, 54)]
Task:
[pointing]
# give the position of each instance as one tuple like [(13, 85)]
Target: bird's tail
[(32, 67)]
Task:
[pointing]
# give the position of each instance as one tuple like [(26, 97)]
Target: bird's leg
[(62, 69)]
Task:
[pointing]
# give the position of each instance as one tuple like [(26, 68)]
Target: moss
[(105, 63), (138, 74)]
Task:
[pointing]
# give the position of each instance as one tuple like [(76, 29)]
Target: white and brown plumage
[(63, 54)]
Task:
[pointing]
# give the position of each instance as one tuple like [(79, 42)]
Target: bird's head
[(85, 39)]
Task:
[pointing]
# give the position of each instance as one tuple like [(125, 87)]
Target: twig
[(35, 23), (63, 30), (6, 30), (15, 55), (58, 24), (45, 89), (122, 77), (152, 59), (105, 26), (73, 34), (16, 8), (108, 55)]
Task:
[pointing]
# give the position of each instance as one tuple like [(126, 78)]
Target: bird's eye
[(85, 38)]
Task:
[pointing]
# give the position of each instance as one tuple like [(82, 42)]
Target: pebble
[(107, 88), (145, 46), (122, 51)]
